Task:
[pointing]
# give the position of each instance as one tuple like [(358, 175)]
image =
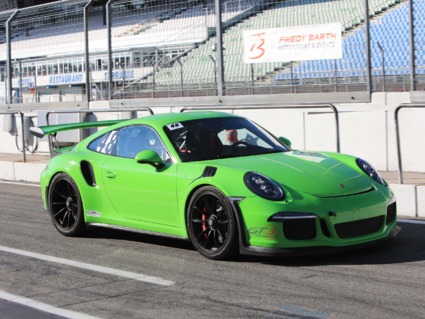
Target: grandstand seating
[(8, 5), (192, 24), (184, 22), (199, 63)]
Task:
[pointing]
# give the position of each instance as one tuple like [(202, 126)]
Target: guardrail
[(397, 129), (282, 107)]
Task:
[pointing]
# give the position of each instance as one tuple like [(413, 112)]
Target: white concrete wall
[(366, 130)]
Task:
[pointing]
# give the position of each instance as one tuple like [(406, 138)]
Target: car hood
[(313, 173)]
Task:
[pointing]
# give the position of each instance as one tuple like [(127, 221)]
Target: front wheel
[(65, 205), (211, 224)]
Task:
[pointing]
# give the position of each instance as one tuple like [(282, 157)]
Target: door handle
[(110, 174)]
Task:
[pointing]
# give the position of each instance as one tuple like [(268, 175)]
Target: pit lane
[(387, 281)]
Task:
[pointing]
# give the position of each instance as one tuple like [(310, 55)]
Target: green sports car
[(219, 180)]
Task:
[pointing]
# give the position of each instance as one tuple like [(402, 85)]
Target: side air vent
[(87, 171), (209, 171)]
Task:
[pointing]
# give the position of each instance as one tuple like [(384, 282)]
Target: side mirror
[(150, 157), (285, 141)]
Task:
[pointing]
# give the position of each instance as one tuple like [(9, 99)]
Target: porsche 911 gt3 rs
[(219, 180)]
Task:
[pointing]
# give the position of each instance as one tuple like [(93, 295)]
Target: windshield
[(213, 138)]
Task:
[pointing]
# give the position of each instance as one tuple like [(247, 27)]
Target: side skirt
[(134, 230)]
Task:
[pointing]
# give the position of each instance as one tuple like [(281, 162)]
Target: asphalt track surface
[(114, 274)]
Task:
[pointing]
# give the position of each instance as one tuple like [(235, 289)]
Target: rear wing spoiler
[(42, 131), (51, 130)]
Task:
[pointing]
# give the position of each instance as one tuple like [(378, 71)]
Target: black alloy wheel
[(211, 224), (65, 205)]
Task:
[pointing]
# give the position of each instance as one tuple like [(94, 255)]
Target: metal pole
[(219, 53), (109, 40), (215, 69), (21, 97), (252, 78), (86, 49), (384, 87), (9, 54), (123, 76), (181, 75), (23, 137), (368, 50), (412, 48), (397, 130), (5, 86), (34, 70), (292, 77), (155, 66), (335, 76)]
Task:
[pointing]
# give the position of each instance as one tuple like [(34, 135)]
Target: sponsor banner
[(311, 42)]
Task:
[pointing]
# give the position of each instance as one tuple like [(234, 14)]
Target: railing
[(397, 128), (281, 107)]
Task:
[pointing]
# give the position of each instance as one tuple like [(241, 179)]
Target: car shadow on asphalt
[(408, 246)]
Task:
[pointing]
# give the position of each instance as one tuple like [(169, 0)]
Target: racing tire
[(211, 224), (65, 206)]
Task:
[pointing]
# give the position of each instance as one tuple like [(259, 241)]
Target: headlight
[(369, 170), (263, 186)]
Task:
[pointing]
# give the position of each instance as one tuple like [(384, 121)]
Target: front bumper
[(310, 251), (309, 225)]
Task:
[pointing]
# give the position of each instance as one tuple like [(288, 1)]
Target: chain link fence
[(78, 49)]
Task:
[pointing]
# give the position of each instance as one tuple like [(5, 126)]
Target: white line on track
[(44, 307), (101, 269), (412, 221), (19, 183)]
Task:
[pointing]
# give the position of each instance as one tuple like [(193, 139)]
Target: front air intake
[(359, 227), (391, 213), (300, 229)]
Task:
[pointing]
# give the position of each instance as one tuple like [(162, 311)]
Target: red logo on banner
[(257, 50)]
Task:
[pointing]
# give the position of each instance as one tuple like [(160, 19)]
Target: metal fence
[(81, 50)]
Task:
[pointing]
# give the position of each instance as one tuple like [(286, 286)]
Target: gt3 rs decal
[(268, 232)]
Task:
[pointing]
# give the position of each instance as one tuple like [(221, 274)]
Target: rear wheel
[(65, 205), (211, 224)]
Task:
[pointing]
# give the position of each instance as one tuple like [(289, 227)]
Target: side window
[(106, 144), (134, 139)]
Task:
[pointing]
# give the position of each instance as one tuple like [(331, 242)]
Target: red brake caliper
[(204, 226)]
